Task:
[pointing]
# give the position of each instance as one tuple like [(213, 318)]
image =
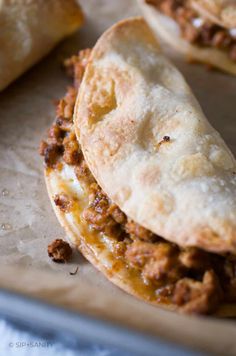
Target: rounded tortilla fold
[(98, 250), (29, 31), (167, 29), (149, 145), (221, 12)]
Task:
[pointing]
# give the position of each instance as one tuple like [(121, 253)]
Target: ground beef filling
[(196, 30), (195, 280)]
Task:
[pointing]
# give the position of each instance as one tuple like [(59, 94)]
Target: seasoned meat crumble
[(59, 251), (198, 297), (195, 280), (63, 202), (195, 30)]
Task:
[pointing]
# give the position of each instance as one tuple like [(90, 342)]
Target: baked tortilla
[(143, 264), (30, 29), (169, 30), (149, 145), (99, 249)]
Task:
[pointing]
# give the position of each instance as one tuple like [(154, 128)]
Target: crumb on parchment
[(59, 251)]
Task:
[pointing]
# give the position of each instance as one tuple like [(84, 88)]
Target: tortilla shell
[(131, 99), (167, 29), (97, 250)]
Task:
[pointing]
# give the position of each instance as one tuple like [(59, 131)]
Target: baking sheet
[(28, 224), (77, 329)]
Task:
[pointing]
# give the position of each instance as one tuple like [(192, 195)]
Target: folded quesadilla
[(29, 31), (141, 182), (203, 30)]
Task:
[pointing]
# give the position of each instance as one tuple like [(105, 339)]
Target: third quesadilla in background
[(147, 188), (203, 30), (29, 31)]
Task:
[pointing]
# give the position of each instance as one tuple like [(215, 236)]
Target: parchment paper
[(28, 224)]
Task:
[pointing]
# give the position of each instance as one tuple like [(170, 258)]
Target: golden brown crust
[(30, 29), (183, 191)]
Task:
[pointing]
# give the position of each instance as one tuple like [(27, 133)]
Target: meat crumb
[(72, 152), (198, 297), (75, 66), (59, 251), (51, 153), (194, 258), (83, 174), (137, 231), (159, 262), (63, 202)]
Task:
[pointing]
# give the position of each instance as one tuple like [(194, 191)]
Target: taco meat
[(195, 280)]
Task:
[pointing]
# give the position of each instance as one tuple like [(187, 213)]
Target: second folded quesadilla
[(203, 30)]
